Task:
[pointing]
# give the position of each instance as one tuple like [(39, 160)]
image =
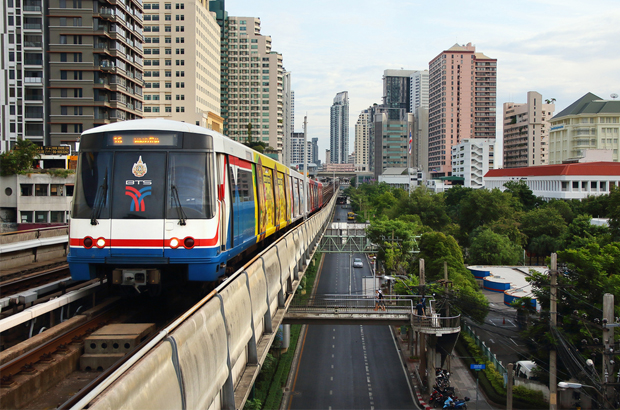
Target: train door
[(296, 196), (138, 194), (242, 199), (223, 197)]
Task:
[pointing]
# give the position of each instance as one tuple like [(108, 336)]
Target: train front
[(145, 207)]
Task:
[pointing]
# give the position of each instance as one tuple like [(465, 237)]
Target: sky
[(562, 49)]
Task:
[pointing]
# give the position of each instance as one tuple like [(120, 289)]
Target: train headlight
[(88, 242), (188, 242), (100, 243), (174, 243)]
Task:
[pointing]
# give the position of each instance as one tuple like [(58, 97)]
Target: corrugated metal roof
[(590, 104), (583, 168)]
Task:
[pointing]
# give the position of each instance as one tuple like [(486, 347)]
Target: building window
[(26, 216), (40, 190), (25, 189), (57, 216), (40, 216)]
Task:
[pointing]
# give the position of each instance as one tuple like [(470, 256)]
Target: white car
[(357, 263)]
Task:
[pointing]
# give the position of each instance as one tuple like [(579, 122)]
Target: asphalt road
[(348, 367)]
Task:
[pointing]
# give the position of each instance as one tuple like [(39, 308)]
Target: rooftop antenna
[(614, 96)]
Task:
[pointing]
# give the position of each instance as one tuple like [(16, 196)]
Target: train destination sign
[(143, 139), (61, 150)]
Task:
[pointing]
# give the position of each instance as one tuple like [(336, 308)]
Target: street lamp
[(573, 385)]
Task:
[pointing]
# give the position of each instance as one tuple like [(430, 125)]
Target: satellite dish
[(614, 96)]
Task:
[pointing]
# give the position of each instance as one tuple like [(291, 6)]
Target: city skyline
[(536, 46)]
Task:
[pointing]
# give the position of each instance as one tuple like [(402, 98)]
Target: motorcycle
[(456, 404)]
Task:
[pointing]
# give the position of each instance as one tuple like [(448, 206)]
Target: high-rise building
[(69, 66), (397, 93), (182, 62), (252, 81), (526, 131), (288, 123), (419, 149), (391, 139), (339, 129), (586, 129), (472, 158), (419, 90), (95, 64), (363, 127), (462, 98), (23, 91), (297, 149), (315, 151)]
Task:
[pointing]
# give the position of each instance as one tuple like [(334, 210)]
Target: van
[(525, 369)]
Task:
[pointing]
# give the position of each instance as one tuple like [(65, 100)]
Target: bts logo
[(137, 204)]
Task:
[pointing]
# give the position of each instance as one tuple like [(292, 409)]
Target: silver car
[(357, 263)]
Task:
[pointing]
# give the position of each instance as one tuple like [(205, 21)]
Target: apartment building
[(339, 129), (363, 126), (589, 125), (526, 131), (472, 158), (95, 65), (23, 91), (251, 81), (419, 90), (462, 98), (182, 62)]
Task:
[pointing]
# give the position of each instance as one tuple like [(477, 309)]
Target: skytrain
[(157, 199)]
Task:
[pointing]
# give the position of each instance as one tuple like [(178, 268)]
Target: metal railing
[(351, 303), (485, 350)]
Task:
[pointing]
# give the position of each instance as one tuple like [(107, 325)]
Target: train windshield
[(189, 186), (144, 185), (92, 193)]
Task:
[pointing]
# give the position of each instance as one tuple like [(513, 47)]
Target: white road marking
[(333, 346), (491, 340), (514, 342), (330, 392), (331, 378)]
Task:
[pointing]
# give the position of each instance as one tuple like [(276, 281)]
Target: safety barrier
[(211, 356), (34, 245)]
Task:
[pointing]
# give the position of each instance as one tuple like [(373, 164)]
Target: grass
[(274, 373)]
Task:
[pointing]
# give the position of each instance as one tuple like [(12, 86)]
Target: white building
[(37, 198), (560, 181), (402, 178), (419, 90), (472, 159), (589, 123)]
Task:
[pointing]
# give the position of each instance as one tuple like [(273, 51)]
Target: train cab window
[(92, 186), (190, 186)]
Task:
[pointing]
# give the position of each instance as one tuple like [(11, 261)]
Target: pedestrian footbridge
[(347, 310)]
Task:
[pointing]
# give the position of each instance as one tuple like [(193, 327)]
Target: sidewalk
[(460, 378)]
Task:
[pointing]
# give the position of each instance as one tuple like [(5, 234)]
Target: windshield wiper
[(100, 200), (177, 204)]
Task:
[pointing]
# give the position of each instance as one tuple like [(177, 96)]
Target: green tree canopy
[(435, 248), (482, 207), (428, 206), (543, 221), (20, 158), (490, 248), (523, 193)]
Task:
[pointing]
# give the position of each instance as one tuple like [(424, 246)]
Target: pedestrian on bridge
[(379, 302)]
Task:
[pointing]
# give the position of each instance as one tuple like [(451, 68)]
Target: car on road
[(351, 216), (357, 263)]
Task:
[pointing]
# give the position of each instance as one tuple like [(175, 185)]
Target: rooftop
[(584, 168), (590, 104)]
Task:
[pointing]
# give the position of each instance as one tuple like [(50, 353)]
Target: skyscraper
[(362, 141), (526, 131), (288, 124), (419, 90), (252, 81), (462, 97), (69, 66), (182, 72), (339, 129)]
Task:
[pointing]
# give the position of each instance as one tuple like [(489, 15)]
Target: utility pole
[(553, 311), (509, 388), (447, 285), (608, 340), (306, 196), (421, 336)]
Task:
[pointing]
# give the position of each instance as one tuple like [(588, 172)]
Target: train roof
[(154, 124)]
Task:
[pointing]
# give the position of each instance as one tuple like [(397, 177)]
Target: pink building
[(462, 99)]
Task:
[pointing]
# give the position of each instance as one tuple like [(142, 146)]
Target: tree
[(428, 206), (437, 248), (543, 221), (523, 193), (581, 232), (490, 248), (20, 158), (481, 207), (396, 240), (613, 211)]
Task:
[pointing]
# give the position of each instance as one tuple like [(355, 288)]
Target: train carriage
[(157, 197)]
